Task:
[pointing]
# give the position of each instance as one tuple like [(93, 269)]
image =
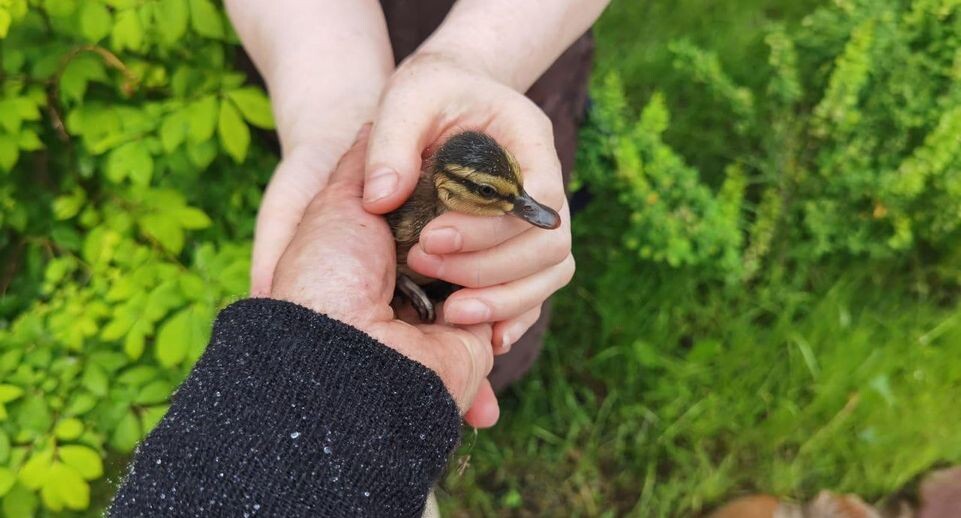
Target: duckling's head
[(473, 174)]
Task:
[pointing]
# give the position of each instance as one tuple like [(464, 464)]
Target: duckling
[(470, 173)]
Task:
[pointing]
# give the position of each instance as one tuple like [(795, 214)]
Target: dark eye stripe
[(473, 187)]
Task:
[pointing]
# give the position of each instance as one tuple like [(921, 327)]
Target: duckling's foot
[(417, 297)]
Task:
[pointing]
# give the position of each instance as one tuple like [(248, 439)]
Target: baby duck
[(470, 173)]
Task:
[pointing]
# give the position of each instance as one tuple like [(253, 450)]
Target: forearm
[(515, 42), (325, 63), (289, 413)]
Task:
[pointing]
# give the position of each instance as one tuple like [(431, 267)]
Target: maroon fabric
[(561, 92)]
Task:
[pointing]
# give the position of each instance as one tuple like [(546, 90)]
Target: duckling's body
[(410, 219), (470, 173)]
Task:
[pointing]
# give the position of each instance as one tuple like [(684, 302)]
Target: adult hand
[(341, 263), (507, 267)]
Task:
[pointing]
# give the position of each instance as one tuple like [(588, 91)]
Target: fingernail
[(506, 342), (470, 310), (380, 185), (444, 240)]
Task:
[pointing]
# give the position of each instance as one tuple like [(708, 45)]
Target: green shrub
[(129, 177), (850, 149), (125, 218)]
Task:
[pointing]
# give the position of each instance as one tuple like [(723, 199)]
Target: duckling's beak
[(535, 213)]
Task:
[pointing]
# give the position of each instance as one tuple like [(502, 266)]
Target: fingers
[(462, 357), (520, 257), (507, 301), (402, 130), (528, 133), (453, 233), (508, 332), (485, 411)]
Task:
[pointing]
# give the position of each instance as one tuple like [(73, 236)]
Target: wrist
[(441, 49), (313, 107)]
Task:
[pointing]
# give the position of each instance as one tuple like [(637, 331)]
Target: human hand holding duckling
[(506, 266), (328, 68), (340, 263)]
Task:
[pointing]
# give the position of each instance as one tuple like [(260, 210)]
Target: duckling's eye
[(487, 191)]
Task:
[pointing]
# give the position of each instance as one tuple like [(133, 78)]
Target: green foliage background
[(768, 277)]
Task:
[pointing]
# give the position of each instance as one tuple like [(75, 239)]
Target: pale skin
[(329, 69), (340, 262)]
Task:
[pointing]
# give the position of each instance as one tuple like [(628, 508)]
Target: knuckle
[(472, 279), (560, 246), (570, 266), (545, 125)]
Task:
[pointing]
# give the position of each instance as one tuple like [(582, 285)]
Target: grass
[(662, 395)]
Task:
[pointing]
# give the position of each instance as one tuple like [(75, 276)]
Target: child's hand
[(508, 267)]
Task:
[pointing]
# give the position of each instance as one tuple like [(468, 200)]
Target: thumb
[(466, 358), (394, 156)]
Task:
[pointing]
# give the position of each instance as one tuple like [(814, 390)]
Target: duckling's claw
[(417, 297)]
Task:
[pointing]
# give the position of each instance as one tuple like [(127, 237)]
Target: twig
[(111, 59)]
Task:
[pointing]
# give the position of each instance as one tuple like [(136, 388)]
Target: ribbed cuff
[(291, 413)]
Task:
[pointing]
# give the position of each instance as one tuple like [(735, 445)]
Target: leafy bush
[(851, 149), (125, 218), (129, 177), (775, 311)]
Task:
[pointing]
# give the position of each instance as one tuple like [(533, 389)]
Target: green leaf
[(138, 375), (205, 18), (29, 141), (64, 485), (202, 119), (68, 206), (95, 21), (84, 459), (60, 8), (33, 473), (68, 429), (133, 344), (192, 286), (173, 130), (7, 480), (127, 433), (127, 31), (5, 21), (78, 72), (152, 415), (20, 501), (9, 392), (234, 133), (165, 230), (154, 392), (81, 403), (34, 414), (9, 152), (95, 380), (202, 154), (4, 447), (191, 218), (254, 106), (171, 19), (130, 160), (118, 326), (173, 339)]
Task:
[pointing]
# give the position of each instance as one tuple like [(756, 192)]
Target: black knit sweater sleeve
[(290, 413)]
